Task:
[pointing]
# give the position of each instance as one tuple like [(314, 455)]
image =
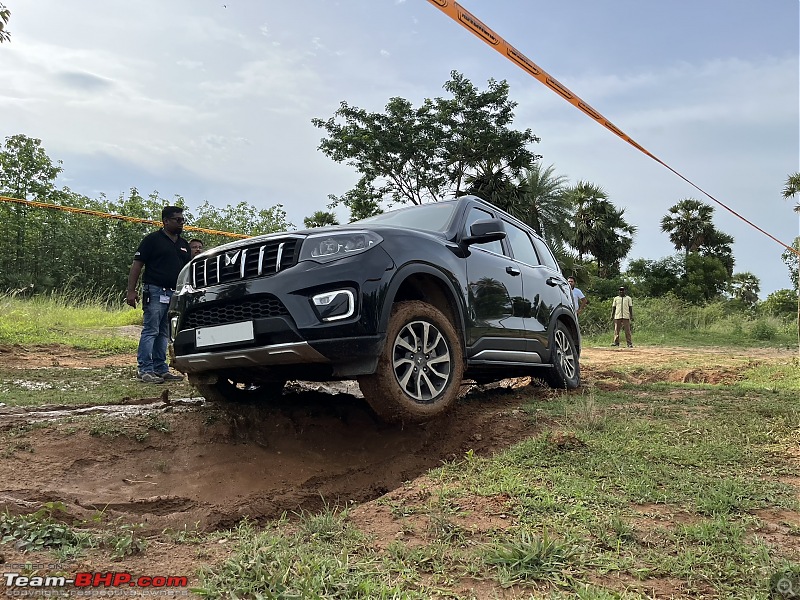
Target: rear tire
[(227, 390), (566, 371), (420, 369)]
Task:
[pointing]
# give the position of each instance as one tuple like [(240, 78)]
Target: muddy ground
[(320, 444)]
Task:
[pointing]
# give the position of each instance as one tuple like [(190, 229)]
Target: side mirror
[(484, 230)]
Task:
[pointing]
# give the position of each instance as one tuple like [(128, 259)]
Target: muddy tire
[(566, 371), (420, 369), (227, 390)]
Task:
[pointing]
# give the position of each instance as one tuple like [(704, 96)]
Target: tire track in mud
[(319, 445)]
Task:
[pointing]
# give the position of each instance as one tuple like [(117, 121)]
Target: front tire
[(566, 368), (420, 369)]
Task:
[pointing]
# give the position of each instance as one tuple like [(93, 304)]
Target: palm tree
[(493, 184), (688, 224), (600, 228), (745, 287), (616, 241), (792, 188), (543, 203), (585, 233), (320, 218)]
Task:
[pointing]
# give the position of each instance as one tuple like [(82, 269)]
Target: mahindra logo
[(231, 258)]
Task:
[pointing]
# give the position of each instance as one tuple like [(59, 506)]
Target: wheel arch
[(430, 285)]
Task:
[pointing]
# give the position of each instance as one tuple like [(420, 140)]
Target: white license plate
[(224, 334)]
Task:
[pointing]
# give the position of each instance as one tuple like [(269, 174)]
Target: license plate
[(224, 334)]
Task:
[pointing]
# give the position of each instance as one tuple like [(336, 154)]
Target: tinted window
[(435, 216), (545, 256), (521, 244), (476, 214)]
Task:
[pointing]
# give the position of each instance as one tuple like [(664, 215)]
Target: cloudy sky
[(213, 99)]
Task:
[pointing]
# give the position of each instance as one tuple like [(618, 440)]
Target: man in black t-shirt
[(162, 254)]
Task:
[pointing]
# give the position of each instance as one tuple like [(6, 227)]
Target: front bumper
[(288, 326)]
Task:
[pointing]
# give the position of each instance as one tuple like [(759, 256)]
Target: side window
[(521, 245), (545, 255), (476, 214)]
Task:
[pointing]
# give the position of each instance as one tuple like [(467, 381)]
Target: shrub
[(780, 303), (763, 330)]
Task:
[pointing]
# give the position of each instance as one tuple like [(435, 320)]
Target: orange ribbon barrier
[(473, 24), (97, 213)]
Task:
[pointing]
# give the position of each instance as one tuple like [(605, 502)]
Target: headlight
[(327, 247)]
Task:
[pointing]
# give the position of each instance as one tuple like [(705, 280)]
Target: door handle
[(552, 282), (513, 271)]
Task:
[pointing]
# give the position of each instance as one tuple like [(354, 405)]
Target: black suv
[(409, 303)]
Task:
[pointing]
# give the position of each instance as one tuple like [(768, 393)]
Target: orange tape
[(97, 213), (470, 22)]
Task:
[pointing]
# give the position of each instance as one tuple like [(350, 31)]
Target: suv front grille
[(247, 262), (234, 311)]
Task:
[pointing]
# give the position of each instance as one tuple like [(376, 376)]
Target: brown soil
[(320, 445)]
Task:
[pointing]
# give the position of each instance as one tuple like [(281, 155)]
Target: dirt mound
[(216, 465)]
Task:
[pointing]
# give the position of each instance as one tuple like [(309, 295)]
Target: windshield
[(434, 216)]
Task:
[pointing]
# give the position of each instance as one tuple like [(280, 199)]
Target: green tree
[(704, 279), (364, 200), (717, 244), (242, 218), (792, 261), (320, 218), (584, 196), (745, 288), (599, 228), (688, 223), (656, 278), (542, 203), (495, 186), (27, 173), (5, 16), (792, 189), (780, 303), (417, 155), (478, 141)]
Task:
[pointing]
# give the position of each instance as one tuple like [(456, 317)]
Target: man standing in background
[(196, 246), (622, 315), (579, 300), (162, 254)]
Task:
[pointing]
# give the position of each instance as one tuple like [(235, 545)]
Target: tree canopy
[(424, 154)]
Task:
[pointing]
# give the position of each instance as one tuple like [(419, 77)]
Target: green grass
[(667, 491), (617, 492), (613, 488), (69, 319), (670, 322)]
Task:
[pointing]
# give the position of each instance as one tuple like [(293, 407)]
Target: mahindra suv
[(409, 302)]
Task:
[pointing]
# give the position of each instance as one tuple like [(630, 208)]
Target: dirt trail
[(320, 444), (217, 465)]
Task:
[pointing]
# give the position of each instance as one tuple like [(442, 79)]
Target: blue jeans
[(152, 353)]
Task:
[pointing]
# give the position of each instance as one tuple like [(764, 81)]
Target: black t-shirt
[(163, 259)]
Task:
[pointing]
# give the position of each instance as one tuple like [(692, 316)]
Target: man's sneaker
[(615, 344), (630, 345), (150, 378), (170, 377)]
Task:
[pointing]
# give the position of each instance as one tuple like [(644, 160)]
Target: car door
[(496, 317), (544, 287)]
